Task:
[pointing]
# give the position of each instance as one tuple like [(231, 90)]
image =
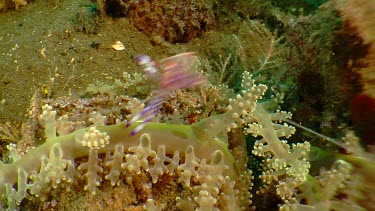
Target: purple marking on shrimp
[(174, 74)]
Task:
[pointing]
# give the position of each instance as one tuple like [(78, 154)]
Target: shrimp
[(170, 74)]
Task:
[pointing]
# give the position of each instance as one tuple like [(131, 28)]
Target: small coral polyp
[(94, 139)]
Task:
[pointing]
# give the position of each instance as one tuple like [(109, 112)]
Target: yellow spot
[(45, 89)]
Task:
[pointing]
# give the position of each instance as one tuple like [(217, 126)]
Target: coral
[(360, 15), (19, 3), (9, 133), (53, 169), (48, 117), (136, 84), (137, 160), (159, 168), (201, 157), (259, 49), (151, 206), (52, 162), (188, 168), (94, 139), (315, 50), (115, 162), (191, 155), (229, 195), (327, 183), (193, 160), (2, 4), (92, 168), (252, 47), (173, 21)]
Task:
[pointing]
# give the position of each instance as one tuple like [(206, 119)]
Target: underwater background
[(315, 58)]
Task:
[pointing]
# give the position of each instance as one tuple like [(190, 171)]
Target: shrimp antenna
[(329, 139)]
